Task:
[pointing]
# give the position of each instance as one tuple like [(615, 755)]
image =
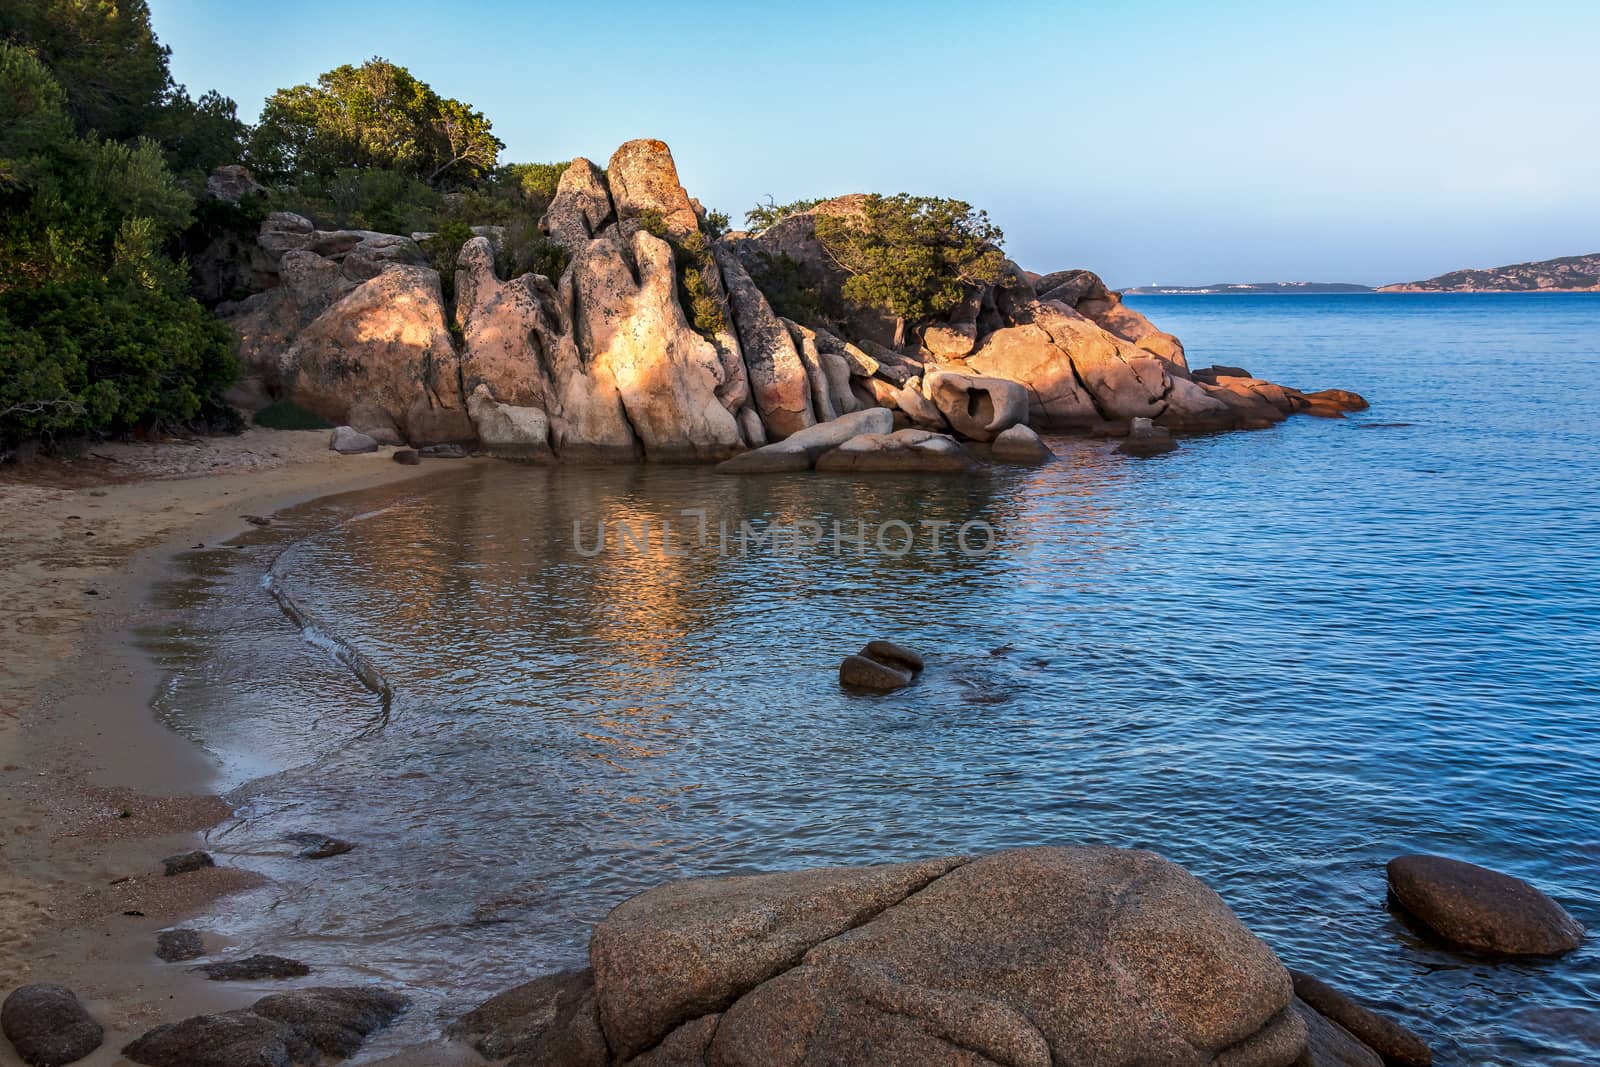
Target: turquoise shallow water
[(1279, 658)]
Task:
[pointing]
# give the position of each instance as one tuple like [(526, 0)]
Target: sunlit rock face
[(614, 361)]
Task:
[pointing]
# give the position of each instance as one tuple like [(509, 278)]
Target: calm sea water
[(1279, 658)]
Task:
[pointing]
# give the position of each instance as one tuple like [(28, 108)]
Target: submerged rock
[(1393, 1043), (1146, 439), (894, 655), (176, 946), (1480, 909), (1097, 957), (908, 450), (801, 449), (48, 1026), (860, 672), (253, 968), (1330, 1045), (314, 846), (186, 862), (294, 1029)]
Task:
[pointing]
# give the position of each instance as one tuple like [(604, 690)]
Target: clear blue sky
[(1178, 143)]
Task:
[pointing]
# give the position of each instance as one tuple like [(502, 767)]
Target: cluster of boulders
[(602, 363), (1030, 957), (1041, 956)]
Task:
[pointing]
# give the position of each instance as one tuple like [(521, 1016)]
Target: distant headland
[(1570, 274)]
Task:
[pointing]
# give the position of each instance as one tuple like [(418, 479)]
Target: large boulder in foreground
[(387, 343), (1480, 909), (48, 1026), (1095, 957)]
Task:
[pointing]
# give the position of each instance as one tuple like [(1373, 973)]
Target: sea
[(1279, 658)]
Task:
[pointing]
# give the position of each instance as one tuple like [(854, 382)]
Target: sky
[(1170, 143)]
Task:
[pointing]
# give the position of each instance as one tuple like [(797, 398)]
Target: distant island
[(1570, 274), (1233, 288)]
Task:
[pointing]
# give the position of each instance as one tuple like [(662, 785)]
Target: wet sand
[(93, 790)]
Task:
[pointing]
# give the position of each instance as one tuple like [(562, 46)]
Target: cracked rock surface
[(1095, 957)]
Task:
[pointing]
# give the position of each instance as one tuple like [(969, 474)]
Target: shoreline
[(94, 790)]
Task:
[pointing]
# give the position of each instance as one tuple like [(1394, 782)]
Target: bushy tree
[(96, 332), (377, 115), (103, 53), (769, 213), (912, 256)]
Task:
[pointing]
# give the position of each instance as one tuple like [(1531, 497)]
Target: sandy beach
[(93, 790)]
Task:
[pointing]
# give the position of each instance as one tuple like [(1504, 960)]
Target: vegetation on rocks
[(769, 213), (912, 256), (695, 265)]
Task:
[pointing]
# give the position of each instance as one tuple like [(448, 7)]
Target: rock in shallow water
[(1020, 445), (1330, 1045), (1481, 909), (48, 1026), (1090, 956), (887, 652), (253, 968), (175, 946), (551, 1020), (187, 862), (859, 672), (1393, 1043), (296, 1028), (1146, 439), (314, 846)]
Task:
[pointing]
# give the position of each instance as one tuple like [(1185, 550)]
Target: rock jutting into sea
[(1040, 956), (604, 364)]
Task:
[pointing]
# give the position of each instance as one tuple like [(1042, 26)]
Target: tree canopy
[(913, 256), (377, 115)]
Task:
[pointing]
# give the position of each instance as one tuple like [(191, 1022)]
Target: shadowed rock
[(1146, 439), (176, 946), (550, 1020), (315, 846), (909, 450), (800, 450), (187, 862), (1481, 909), (48, 1026), (1392, 1042), (253, 968), (894, 655), (1330, 1045), (295, 1029), (860, 672)]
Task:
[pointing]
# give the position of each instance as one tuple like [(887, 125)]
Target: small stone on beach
[(407, 457)]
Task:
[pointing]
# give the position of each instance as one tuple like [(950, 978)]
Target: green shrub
[(97, 355), (693, 257), (913, 256), (768, 214), (283, 415), (792, 294), (524, 249)]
